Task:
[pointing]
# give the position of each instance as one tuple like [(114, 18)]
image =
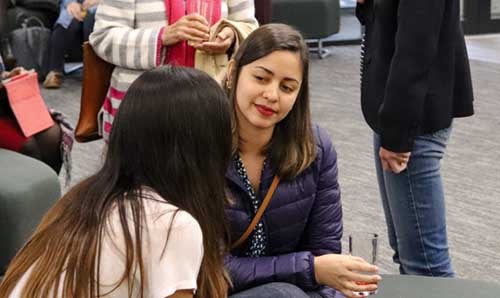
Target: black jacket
[(415, 74)]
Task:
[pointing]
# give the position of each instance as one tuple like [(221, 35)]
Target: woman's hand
[(9, 74), (341, 273), (394, 161), (193, 28), (75, 10), (223, 41)]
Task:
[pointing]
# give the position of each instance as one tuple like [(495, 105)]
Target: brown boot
[(53, 80)]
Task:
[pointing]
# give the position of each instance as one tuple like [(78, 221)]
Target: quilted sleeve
[(323, 232), (296, 268)]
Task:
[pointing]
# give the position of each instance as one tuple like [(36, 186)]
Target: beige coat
[(216, 65)]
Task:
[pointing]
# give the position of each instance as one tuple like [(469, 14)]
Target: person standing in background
[(73, 27), (415, 78), (144, 34)]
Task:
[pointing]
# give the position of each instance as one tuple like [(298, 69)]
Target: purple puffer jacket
[(303, 220)]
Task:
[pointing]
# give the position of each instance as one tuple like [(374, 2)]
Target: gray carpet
[(471, 167)]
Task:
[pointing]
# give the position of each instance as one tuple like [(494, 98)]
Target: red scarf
[(181, 53)]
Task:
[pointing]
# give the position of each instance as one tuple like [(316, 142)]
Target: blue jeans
[(275, 290), (414, 208)]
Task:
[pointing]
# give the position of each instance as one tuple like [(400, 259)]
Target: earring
[(228, 84)]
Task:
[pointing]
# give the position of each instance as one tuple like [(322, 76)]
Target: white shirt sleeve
[(175, 266)]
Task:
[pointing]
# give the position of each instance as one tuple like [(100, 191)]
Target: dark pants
[(263, 11), (275, 290), (64, 39)]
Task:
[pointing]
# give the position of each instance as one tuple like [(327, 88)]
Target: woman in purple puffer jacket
[(294, 250)]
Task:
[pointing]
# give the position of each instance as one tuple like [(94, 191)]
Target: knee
[(284, 290), (31, 148)]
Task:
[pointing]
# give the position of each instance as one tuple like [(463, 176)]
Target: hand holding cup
[(192, 27)]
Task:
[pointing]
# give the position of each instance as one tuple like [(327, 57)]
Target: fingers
[(404, 154), (364, 279), (77, 14), (226, 33), (385, 165), (192, 27), (355, 289), (74, 9), (16, 71), (215, 47), (192, 34), (363, 283), (396, 167), (194, 17), (362, 266), (402, 159), (362, 287), (222, 36), (393, 161)]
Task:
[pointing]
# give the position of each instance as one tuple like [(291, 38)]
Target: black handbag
[(30, 45)]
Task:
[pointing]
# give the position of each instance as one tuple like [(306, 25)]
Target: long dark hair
[(172, 134), (292, 147)]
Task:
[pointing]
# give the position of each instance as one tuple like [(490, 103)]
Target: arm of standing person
[(416, 45), (115, 38), (117, 41)]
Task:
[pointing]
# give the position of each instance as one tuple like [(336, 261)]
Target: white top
[(176, 269)]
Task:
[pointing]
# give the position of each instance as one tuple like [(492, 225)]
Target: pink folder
[(27, 103)]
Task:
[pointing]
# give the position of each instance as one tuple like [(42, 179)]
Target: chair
[(315, 19), (28, 188)]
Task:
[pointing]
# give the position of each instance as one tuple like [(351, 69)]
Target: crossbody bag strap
[(259, 213)]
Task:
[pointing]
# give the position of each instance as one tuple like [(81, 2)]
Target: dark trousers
[(263, 11), (275, 290), (64, 39)]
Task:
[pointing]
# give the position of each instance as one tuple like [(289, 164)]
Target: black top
[(258, 238), (415, 69)]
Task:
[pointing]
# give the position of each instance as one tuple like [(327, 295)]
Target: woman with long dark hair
[(294, 249), (150, 222)]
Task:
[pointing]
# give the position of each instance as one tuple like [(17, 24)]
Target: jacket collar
[(265, 179)]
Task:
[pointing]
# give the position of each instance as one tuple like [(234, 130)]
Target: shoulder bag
[(259, 213), (95, 84)]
